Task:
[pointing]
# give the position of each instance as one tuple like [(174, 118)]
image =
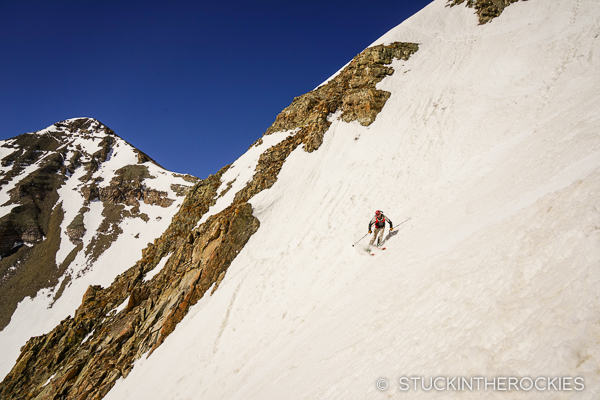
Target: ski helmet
[(377, 212)]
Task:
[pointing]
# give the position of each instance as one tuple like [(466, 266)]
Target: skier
[(379, 221)]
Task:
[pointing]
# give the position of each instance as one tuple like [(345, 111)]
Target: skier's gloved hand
[(369, 231), (391, 229)]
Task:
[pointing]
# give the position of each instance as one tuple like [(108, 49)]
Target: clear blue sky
[(191, 83)]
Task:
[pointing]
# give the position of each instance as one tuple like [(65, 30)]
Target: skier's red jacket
[(379, 222)]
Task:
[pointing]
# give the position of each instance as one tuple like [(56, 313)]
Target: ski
[(370, 251)]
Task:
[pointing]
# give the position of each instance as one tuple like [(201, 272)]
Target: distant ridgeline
[(87, 353)]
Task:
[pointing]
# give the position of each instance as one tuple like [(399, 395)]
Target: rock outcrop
[(84, 356), (352, 92), (127, 187), (486, 9)]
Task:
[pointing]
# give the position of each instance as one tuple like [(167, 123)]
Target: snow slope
[(38, 315), (490, 143)]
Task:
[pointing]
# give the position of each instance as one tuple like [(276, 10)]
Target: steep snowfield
[(39, 315), (490, 143), (241, 172)]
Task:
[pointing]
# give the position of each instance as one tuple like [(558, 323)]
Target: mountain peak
[(66, 194), (80, 126)]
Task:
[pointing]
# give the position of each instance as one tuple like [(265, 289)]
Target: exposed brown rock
[(486, 9), (143, 157), (127, 187), (180, 190), (76, 230), (90, 192), (75, 235), (352, 91)]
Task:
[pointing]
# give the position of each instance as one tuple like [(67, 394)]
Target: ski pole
[(390, 233), (360, 239), (404, 221)]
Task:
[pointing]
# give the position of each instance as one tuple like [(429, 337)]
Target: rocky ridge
[(114, 326)]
